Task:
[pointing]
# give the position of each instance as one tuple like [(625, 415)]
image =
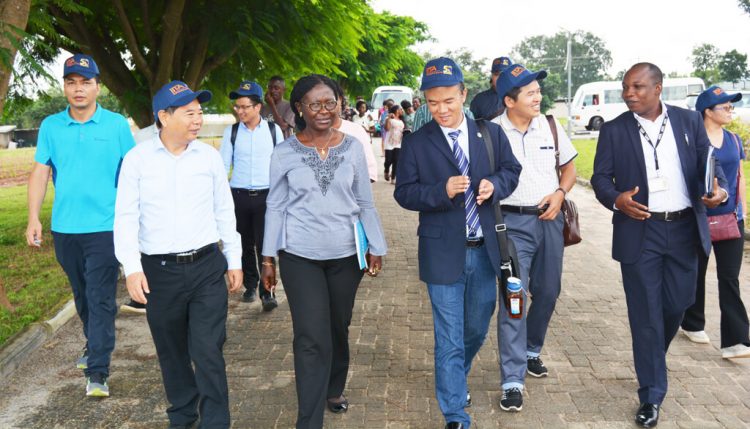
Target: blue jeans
[(461, 313)]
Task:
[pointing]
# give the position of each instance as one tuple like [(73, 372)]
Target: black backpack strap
[(272, 128), (506, 261), (233, 137)]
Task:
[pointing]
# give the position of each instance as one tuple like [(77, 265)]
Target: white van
[(396, 93), (598, 102)]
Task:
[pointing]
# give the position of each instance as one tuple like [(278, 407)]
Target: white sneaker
[(736, 351), (699, 337)]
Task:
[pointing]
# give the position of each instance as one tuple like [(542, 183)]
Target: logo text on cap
[(517, 71), (178, 89), (246, 86), (84, 62), (718, 91)]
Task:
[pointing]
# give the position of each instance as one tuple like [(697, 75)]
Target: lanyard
[(658, 138)]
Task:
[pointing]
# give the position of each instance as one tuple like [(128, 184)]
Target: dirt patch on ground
[(14, 181)]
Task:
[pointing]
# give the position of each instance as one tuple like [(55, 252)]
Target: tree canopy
[(141, 45), (712, 66), (591, 59)]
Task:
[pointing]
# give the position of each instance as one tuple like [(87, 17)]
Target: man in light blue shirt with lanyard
[(83, 147), (246, 151)]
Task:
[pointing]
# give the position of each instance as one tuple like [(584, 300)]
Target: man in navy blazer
[(444, 173), (649, 170)]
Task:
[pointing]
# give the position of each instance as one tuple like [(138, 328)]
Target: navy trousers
[(659, 287), (187, 314), (90, 264)]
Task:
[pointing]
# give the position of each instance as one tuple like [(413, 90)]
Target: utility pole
[(569, 66)]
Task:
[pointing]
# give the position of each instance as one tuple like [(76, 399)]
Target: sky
[(663, 32)]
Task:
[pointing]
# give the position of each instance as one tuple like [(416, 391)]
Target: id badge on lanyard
[(658, 183)]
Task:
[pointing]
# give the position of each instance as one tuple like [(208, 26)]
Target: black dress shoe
[(249, 295), (454, 425), (647, 415), (338, 407), (468, 399)]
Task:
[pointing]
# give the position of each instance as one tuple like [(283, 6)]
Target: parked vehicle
[(396, 93), (742, 107), (598, 102)]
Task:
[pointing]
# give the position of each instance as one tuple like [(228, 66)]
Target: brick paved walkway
[(591, 383)]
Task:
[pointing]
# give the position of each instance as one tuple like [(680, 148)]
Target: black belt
[(477, 242), (670, 216), (186, 257), (250, 192), (528, 210)]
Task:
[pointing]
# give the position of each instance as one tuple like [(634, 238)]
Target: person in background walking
[(395, 127), (716, 107), (275, 108), (487, 105)]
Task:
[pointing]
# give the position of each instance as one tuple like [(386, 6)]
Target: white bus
[(598, 102)]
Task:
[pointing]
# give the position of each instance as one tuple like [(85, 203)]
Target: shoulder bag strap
[(553, 129), (500, 227), (737, 189)]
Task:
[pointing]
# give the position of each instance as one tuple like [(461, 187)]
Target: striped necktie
[(470, 205)]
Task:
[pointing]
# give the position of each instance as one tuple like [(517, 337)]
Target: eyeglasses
[(330, 105), (240, 108), (729, 108)]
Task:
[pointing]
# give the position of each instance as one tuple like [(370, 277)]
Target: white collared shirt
[(463, 137), (535, 151), (463, 143), (676, 196), (173, 204)]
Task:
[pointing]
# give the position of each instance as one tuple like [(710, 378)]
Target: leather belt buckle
[(253, 193), (185, 258)]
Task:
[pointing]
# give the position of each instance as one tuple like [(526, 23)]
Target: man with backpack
[(246, 151)]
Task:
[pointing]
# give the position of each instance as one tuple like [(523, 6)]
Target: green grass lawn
[(585, 161), (16, 162), (30, 278)]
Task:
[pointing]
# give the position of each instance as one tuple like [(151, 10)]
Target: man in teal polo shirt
[(83, 147)]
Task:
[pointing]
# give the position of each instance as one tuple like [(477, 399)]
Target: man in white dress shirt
[(172, 208)]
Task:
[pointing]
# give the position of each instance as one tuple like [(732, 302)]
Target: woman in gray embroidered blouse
[(319, 188)]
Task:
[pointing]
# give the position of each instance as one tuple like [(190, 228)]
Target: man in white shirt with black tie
[(173, 206)]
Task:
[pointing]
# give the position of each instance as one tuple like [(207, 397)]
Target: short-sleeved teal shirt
[(85, 160)]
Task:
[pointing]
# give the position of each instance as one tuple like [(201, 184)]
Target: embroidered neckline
[(324, 169)]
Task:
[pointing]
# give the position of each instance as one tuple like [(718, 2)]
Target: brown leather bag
[(571, 230), (724, 226)]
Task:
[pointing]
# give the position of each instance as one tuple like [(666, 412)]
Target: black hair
[(513, 94), (253, 98), (405, 104), (170, 110), (339, 91), (394, 109), (656, 74), (301, 88), (276, 78), (361, 102)]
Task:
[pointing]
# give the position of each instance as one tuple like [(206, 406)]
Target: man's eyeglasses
[(240, 108), (330, 105), (729, 108)]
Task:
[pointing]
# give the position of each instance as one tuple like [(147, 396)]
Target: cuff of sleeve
[(132, 266), (234, 262)]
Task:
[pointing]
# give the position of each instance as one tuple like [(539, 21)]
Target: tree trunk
[(13, 16)]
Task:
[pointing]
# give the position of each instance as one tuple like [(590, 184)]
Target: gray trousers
[(539, 245)]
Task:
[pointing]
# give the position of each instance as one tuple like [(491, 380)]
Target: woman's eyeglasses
[(330, 105)]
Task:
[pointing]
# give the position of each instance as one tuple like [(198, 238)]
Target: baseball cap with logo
[(441, 72), (714, 95), (500, 64), (81, 64), (177, 94), (516, 76), (246, 89)]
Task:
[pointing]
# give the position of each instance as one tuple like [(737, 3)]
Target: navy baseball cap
[(81, 64), (514, 76), (714, 95), (246, 89), (500, 64), (177, 94), (441, 72)]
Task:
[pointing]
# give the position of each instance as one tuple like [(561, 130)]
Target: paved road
[(591, 384)]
